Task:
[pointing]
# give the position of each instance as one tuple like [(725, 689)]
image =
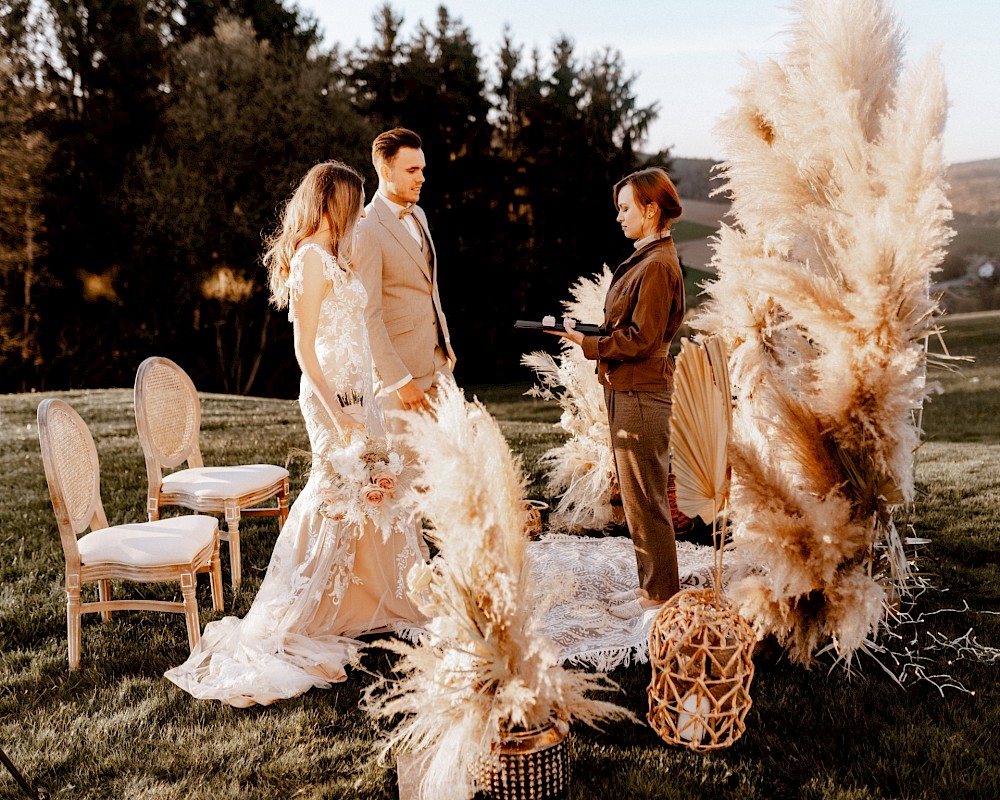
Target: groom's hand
[(412, 397)]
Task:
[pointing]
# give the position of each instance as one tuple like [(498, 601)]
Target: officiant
[(643, 310)]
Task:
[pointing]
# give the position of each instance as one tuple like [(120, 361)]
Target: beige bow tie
[(407, 210)]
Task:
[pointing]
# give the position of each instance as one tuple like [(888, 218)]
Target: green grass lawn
[(117, 729)]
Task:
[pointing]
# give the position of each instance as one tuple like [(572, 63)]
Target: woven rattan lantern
[(700, 648)]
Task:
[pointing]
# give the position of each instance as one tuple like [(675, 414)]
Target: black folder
[(584, 327)]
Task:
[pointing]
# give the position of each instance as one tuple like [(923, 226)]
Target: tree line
[(146, 148)]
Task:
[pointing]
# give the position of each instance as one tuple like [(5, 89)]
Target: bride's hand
[(348, 423)]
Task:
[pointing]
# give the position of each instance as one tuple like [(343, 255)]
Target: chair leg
[(215, 578), (190, 608), (233, 535), (282, 506), (153, 508), (73, 620), (104, 594)]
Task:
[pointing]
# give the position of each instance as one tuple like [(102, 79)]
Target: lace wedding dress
[(328, 580)]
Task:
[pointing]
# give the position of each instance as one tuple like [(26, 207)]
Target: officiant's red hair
[(330, 192), (653, 185)]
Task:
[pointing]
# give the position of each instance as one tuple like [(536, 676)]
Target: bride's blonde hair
[(330, 188)]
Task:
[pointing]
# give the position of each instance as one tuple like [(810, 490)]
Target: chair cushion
[(223, 481), (176, 540)]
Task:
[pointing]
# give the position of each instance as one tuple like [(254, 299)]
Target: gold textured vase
[(527, 765), (533, 517)]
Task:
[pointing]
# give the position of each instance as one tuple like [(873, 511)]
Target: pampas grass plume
[(483, 667), (836, 178)]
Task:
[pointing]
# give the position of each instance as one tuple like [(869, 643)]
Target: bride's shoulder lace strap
[(332, 271)]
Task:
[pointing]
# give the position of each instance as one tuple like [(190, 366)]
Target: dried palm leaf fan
[(700, 648)]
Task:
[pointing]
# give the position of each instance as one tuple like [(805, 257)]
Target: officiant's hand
[(570, 332), (412, 397)]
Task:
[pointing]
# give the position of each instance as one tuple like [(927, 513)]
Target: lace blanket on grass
[(573, 577), (577, 574)]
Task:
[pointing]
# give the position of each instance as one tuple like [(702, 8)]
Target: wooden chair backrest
[(72, 472), (167, 413)]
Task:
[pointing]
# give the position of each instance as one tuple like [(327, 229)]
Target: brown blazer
[(404, 316), (643, 310)]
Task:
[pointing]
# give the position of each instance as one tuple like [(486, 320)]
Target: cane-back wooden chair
[(168, 417), (170, 550)]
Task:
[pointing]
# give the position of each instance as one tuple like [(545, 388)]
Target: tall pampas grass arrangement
[(581, 471), (483, 669), (835, 172)]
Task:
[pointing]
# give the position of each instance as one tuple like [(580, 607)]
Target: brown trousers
[(640, 436)]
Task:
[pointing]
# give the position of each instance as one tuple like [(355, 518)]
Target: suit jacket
[(404, 316), (643, 311)]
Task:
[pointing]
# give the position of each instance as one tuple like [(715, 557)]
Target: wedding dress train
[(328, 580)]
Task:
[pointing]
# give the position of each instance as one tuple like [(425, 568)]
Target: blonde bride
[(333, 575)]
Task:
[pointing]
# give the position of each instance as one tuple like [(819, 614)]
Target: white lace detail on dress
[(341, 345)]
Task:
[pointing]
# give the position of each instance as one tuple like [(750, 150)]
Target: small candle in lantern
[(690, 723)]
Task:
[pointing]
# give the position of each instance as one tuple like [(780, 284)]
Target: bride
[(335, 576)]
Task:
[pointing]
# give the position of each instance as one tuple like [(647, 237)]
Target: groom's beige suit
[(407, 328)]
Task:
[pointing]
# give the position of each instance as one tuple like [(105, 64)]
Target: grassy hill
[(116, 728), (974, 191)]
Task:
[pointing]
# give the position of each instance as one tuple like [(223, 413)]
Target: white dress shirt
[(640, 243), (408, 221)]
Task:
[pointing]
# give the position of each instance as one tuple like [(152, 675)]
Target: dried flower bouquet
[(483, 668), (364, 481), (581, 472)]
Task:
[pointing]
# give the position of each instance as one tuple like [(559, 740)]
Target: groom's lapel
[(398, 231)]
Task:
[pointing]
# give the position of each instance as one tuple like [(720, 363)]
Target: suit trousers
[(640, 437)]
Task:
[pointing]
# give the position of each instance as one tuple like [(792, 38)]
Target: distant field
[(973, 237), (683, 231), (975, 188)]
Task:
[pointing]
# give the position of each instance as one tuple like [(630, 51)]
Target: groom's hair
[(388, 144)]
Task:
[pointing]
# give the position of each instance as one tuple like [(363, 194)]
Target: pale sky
[(689, 53)]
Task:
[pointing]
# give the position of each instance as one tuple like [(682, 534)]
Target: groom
[(398, 265)]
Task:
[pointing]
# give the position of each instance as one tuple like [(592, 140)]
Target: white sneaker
[(632, 609), (628, 594)]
